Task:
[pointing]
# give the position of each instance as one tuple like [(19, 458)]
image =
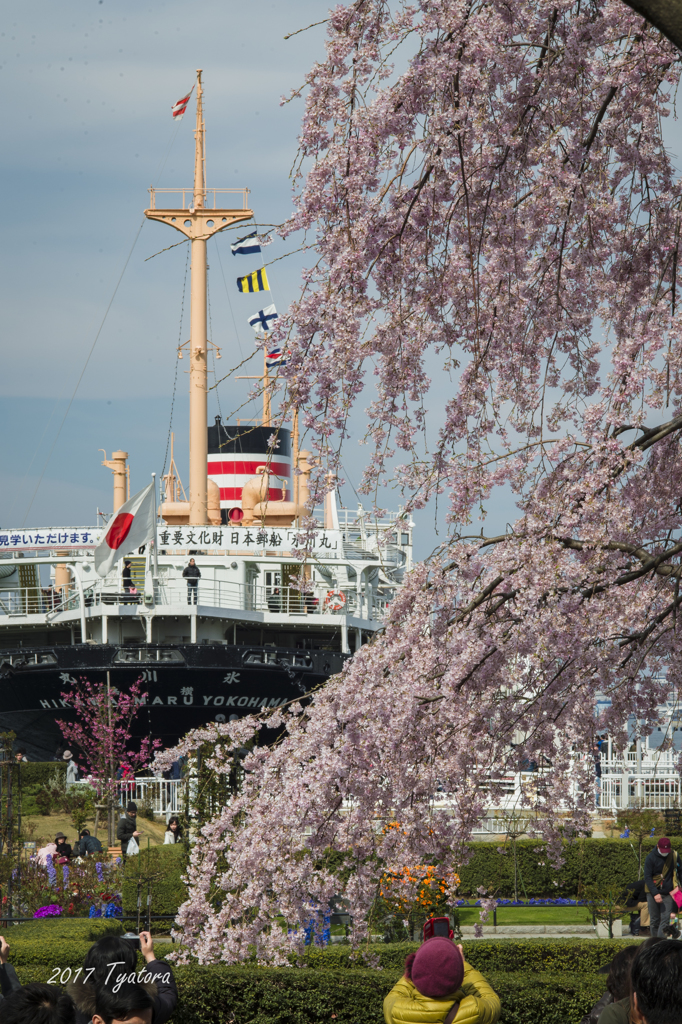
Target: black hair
[(128, 998), (83, 832), (177, 822), (37, 1004), (618, 981), (657, 982), (106, 951)]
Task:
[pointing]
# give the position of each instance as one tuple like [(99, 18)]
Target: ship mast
[(198, 363), (198, 222)]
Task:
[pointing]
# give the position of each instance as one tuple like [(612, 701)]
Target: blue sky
[(88, 86)]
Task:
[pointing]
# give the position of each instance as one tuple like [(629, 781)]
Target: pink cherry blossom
[(487, 190)]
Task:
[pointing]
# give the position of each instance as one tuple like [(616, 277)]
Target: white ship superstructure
[(263, 625)]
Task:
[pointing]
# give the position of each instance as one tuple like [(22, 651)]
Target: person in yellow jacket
[(440, 986)]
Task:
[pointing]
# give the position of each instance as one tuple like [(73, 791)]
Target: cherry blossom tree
[(101, 735), (487, 192)]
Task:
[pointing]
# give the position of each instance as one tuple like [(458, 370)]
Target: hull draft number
[(335, 600)]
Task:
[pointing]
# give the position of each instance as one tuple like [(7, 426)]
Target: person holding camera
[(439, 985), (111, 961)]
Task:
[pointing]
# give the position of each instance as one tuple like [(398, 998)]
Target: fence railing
[(164, 796)]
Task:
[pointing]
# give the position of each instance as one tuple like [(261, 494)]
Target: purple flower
[(98, 869), (52, 910), (51, 870)]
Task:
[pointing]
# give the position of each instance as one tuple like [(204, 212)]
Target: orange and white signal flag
[(131, 527), (179, 108)]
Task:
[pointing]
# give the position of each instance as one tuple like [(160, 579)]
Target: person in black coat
[(156, 976), (192, 574), (127, 827), (662, 871), (86, 844), (63, 848), (9, 981), (126, 576)]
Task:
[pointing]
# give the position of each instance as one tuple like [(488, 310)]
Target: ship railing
[(38, 600), (328, 600), (187, 202)]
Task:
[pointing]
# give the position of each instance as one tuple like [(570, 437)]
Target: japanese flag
[(132, 526)]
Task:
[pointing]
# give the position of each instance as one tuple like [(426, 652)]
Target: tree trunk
[(665, 15)]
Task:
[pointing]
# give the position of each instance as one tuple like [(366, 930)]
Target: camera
[(437, 926), (133, 939)]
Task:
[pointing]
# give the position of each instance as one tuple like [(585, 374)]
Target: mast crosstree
[(198, 217)]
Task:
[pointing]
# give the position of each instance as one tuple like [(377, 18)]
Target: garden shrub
[(584, 956), (36, 782), (213, 995), (594, 862), (161, 868)]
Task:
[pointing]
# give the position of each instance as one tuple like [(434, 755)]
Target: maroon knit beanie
[(437, 968)]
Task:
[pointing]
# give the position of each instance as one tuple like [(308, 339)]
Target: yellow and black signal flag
[(256, 282)]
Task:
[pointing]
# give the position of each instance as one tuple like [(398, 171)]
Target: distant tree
[(642, 822), (102, 734)]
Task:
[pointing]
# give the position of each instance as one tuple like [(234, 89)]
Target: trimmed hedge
[(57, 942), (584, 956), (37, 773), (164, 867), (271, 995), (587, 862)]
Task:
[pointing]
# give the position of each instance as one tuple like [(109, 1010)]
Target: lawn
[(532, 916), (41, 828)]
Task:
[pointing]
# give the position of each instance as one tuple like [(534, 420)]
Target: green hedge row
[(38, 773), (584, 956), (158, 870), (586, 862), (213, 995)]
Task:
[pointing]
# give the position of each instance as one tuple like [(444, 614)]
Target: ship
[(264, 627)]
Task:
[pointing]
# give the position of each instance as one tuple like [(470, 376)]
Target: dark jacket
[(593, 1016), (616, 1013), (86, 845), (653, 865), (8, 980), (637, 891), (64, 850), (191, 572), (163, 992), (126, 576), (124, 832)]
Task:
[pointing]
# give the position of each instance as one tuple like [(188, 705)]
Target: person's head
[(67, 755), (656, 980), (60, 838), (192, 562), (664, 846), (128, 563), (37, 1004), (437, 968), (131, 809), (174, 825), (110, 949), (618, 981), (83, 832), (20, 753), (127, 1002)]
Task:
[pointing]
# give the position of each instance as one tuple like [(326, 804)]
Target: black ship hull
[(186, 686)]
